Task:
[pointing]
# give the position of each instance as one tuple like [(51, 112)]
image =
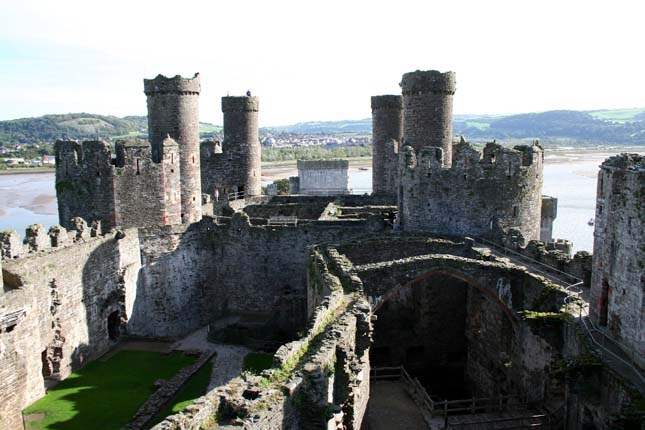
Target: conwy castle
[(443, 288)]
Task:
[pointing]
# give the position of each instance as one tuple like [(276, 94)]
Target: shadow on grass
[(196, 387), (105, 395)]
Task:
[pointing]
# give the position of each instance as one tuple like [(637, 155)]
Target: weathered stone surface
[(234, 166), (618, 277), (387, 131), (173, 112), (67, 295), (133, 191), (488, 194)]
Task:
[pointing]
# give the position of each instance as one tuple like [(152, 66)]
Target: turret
[(387, 129), (427, 110), (241, 145), (173, 111)]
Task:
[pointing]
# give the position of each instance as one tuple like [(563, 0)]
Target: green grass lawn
[(256, 362), (105, 395), (194, 388)]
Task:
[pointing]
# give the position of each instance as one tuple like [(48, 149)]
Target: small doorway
[(114, 325)]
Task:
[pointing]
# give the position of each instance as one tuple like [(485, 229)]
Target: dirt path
[(228, 363)]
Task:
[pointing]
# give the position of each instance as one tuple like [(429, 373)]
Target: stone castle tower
[(618, 273), (235, 166), (242, 141), (387, 129), (458, 190), (427, 109), (173, 111), (130, 190)]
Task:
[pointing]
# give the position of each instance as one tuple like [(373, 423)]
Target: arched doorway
[(444, 328)]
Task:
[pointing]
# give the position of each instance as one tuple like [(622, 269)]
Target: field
[(104, 395)]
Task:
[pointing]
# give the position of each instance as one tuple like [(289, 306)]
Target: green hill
[(78, 126), (613, 127)]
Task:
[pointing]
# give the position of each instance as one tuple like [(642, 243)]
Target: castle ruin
[(439, 275)]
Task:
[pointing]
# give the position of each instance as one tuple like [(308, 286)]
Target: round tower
[(387, 129), (427, 110), (241, 145), (173, 111)]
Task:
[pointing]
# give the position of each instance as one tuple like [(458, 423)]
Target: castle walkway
[(390, 407)]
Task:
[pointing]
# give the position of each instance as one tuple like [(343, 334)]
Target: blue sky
[(320, 60)]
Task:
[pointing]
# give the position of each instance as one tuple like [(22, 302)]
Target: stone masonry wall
[(64, 297), (84, 182), (387, 130), (132, 190), (427, 111), (493, 195), (618, 274), (236, 164), (193, 275), (323, 177), (173, 111)]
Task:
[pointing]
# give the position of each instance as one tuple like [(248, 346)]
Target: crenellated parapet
[(131, 189), (37, 239), (162, 85), (492, 193)]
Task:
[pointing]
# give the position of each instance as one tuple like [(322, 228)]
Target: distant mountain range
[(616, 127)]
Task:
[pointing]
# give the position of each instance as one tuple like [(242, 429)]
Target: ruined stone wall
[(63, 297), (387, 130), (323, 177), (84, 182), (321, 380), (235, 166), (493, 195), (177, 274), (146, 192), (132, 190), (193, 275), (263, 269), (427, 111), (618, 276), (173, 111)]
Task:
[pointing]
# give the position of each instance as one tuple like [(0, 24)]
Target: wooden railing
[(282, 220), (235, 196), (445, 408)]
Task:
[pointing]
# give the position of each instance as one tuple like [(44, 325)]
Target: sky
[(320, 60)]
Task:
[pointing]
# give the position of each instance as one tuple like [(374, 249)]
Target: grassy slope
[(617, 115), (194, 388), (105, 395)]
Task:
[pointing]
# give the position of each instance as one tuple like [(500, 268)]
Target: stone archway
[(437, 325)]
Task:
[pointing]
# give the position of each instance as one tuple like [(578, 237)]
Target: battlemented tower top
[(240, 104), (632, 162), (387, 102), (174, 85), (428, 81)]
